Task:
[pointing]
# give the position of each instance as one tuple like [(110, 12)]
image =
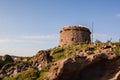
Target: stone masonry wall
[(71, 35)]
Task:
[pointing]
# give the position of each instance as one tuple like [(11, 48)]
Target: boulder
[(7, 58), (42, 58), (93, 67)]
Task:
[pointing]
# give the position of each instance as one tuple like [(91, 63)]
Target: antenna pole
[(92, 31)]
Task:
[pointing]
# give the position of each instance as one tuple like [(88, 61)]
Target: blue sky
[(27, 26)]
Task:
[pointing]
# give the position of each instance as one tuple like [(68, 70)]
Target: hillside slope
[(98, 61)]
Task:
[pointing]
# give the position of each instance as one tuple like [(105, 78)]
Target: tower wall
[(71, 35)]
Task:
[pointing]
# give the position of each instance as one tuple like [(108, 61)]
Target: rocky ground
[(97, 61)]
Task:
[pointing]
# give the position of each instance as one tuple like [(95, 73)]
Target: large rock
[(42, 58), (93, 67), (7, 58)]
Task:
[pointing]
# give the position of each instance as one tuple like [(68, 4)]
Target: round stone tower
[(73, 35)]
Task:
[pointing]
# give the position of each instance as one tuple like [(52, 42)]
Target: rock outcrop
[(7, 58), (10, 69), (81, 62), (41, 59), (103, 66)]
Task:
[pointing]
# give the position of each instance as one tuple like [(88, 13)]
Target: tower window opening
[(72, 39), (61, 40)]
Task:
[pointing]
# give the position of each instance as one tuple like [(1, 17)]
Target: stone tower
[(72, 35)]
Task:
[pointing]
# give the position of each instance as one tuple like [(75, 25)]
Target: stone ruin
[(74, 35)]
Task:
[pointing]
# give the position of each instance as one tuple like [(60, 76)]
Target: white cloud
[(97, 35), (101, 37), (34, 37), (43, 39), (24, 44), (8, 40), (29, 38)]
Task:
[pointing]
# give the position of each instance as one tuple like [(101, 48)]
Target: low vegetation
[(30, 74), (59, 53)]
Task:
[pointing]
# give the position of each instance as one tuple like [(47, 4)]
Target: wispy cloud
[(24, 44), (8, 40), (97, 35), (101, 37), (29, 38), (54, 36), (44, 38)]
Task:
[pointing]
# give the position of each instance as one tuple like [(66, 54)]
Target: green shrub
[(3, 63), (7, 66), (118, 50), (10, 78), (58, 50), (117, 44), (58, 56), (30, 74), (42, 75), (90, 52)]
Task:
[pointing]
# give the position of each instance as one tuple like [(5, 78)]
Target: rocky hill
[(96, 61)]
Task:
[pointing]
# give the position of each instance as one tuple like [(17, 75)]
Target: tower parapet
[(73, 35)]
